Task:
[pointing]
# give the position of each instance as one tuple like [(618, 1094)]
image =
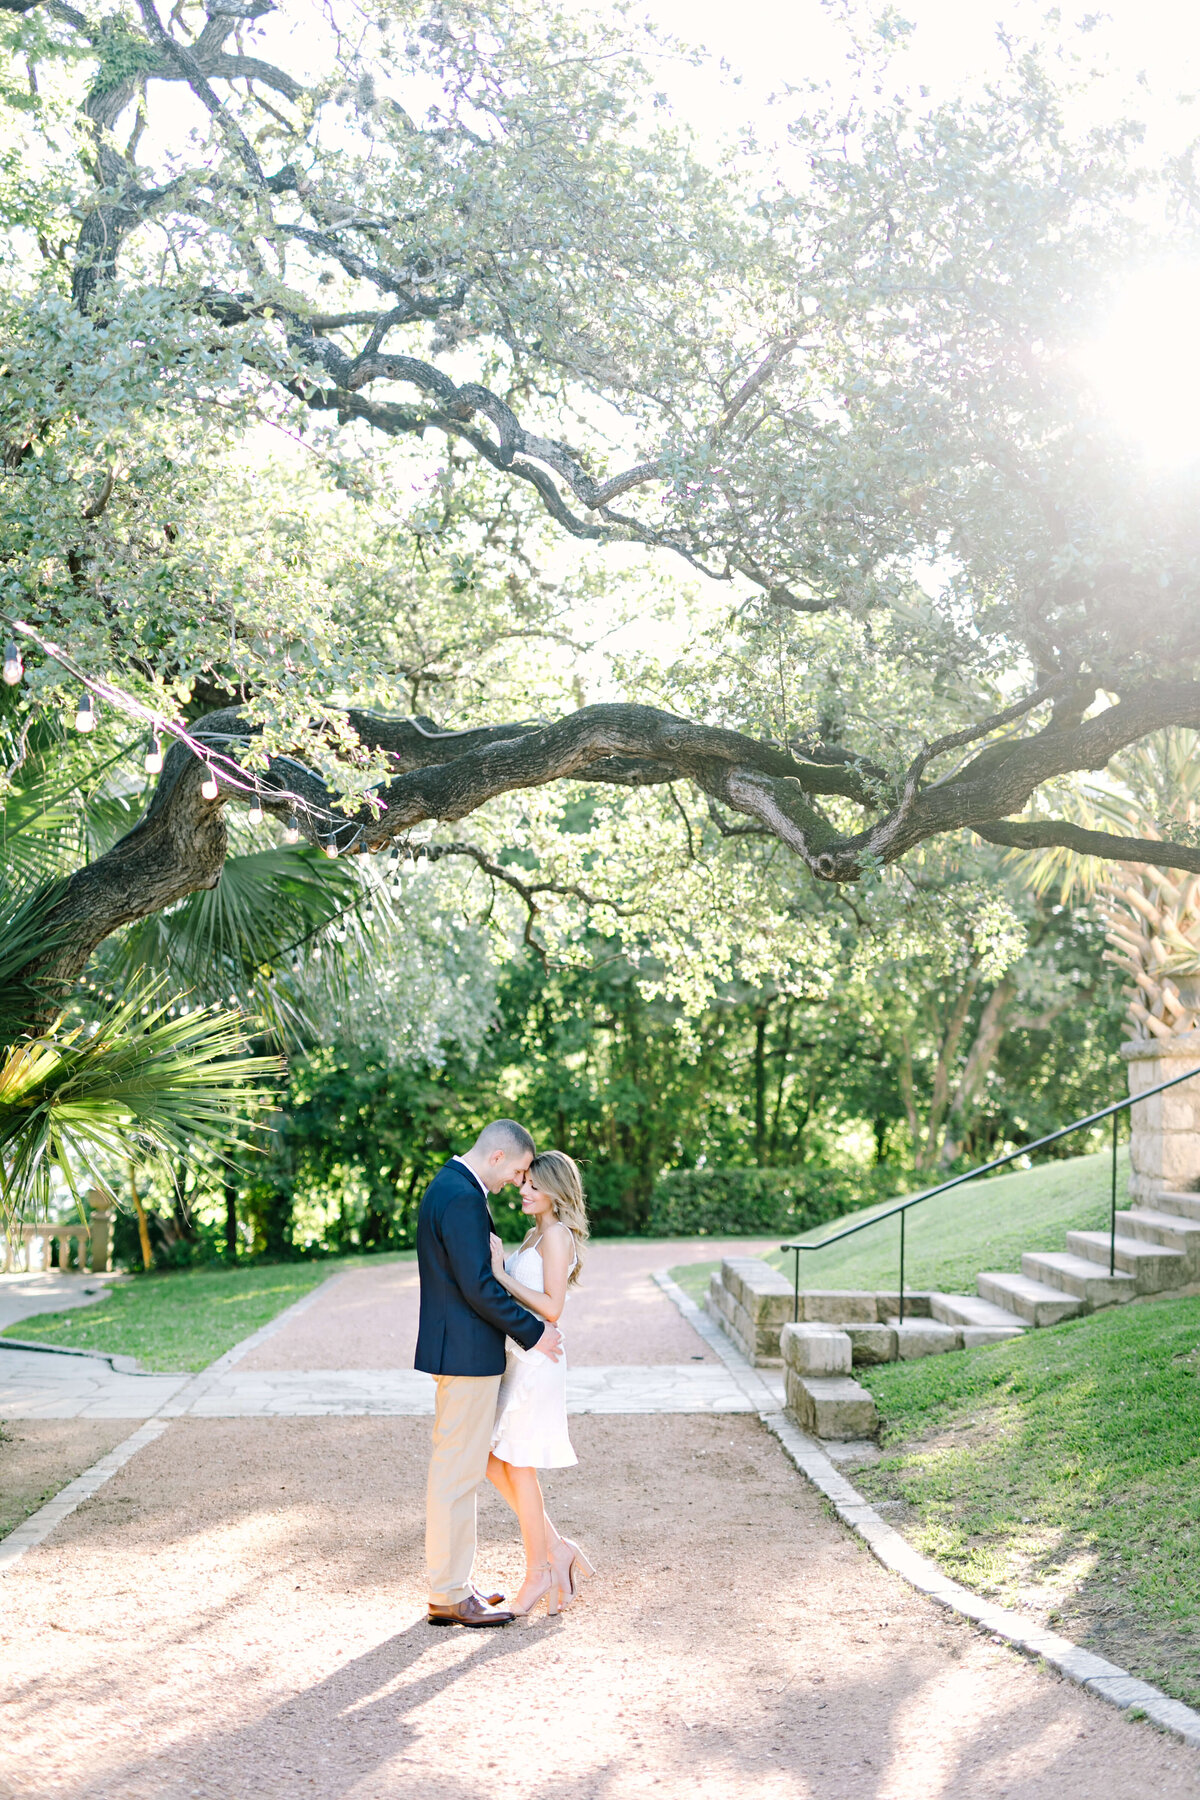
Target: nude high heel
[(547, 1591), (577, 1567)]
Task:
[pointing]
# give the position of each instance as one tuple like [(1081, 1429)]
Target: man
[(465, 1317)]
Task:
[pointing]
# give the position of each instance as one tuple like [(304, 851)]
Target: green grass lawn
[(1060, 1472), (181, 1319), (983, 1225)]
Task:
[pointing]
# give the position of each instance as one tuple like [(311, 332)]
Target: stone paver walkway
[(52, 1385), (237, 1614)]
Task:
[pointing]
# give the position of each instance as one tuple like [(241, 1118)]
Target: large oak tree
[(462, 243)]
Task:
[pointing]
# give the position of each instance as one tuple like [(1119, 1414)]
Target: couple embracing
[(500, 1414)]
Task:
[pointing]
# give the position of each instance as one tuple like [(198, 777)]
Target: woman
[(531, 1414)]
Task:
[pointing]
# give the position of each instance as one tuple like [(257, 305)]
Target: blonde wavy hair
[(557, 1174)]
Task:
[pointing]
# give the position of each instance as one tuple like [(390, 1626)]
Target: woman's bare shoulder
[(559, 1235)]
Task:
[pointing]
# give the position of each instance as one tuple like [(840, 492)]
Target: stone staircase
[(1157, 1249)]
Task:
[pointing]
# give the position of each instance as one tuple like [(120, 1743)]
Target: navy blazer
[(465, 1313)]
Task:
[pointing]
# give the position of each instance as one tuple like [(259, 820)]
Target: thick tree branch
[(1047, 834)]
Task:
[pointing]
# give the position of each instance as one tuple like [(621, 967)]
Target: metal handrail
[(998, 1162)]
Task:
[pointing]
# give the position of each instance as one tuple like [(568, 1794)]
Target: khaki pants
[(462, 1435)]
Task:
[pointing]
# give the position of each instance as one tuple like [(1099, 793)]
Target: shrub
[(749, 1202)]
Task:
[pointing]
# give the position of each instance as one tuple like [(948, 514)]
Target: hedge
[(747, 1202)]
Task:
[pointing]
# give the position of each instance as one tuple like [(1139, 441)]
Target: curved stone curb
[(1089, 1671), (121, 1365)]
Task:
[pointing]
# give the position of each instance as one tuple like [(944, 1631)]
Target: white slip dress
[(531, 1412)]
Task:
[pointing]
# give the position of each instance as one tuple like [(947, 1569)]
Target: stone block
[(751, 1302), (749, 1277), (925, 1337), (1170, 1158), (815, 1350), (916, 1306), (871, 1343), (988, 1334), (838, 1306), (831, 1406), (719, 1299)]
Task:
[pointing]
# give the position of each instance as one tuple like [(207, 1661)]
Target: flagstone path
[(238, 1613)]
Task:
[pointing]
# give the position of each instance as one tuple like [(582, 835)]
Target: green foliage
[(1059, 1471), (750, 1202)]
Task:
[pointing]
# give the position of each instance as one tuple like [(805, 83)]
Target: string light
[(14, 668), (295, 965), (255, 814), (423, 865), (291, 831), (331, 848), (85, 716), (208, 786), (154, 758), (316, 952)]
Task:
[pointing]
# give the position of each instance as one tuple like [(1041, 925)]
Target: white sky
[(771, 43)]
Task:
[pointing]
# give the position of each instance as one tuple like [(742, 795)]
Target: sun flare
[(1144, 363)]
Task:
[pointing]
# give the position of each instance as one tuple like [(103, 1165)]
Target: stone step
[(1079, 1276), (924, 1337), (1034, 1301), (1186, 1206), (1170, 1229), (969, 1309), (1152, 1267), (831, 1406)]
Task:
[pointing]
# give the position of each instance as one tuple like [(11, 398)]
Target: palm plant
[(1152, 917), (158, 1088)]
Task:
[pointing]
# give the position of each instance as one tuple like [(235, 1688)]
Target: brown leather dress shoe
[(472, 1611)]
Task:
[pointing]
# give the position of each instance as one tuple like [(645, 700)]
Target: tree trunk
[(982, 1054), (760, 1085), (231, 1221)]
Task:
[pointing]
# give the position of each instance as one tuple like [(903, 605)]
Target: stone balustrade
[(83, 1246)]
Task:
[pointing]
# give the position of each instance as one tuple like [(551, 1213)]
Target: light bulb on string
[(14, 668), (316, 952), (291, 831), (255, 815), (423, 865), (85, 715), (154, 758), (295, 965), (331, 848), (208, 786)]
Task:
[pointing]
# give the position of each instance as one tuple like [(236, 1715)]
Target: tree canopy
[(320, 346)]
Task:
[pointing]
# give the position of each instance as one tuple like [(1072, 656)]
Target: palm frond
[(24, 938), (140, 1087), (240, 936)]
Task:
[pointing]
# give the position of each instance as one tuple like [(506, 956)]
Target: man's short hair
[(505, 1135)]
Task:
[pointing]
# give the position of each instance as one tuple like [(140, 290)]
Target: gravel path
[(238, 1615)]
